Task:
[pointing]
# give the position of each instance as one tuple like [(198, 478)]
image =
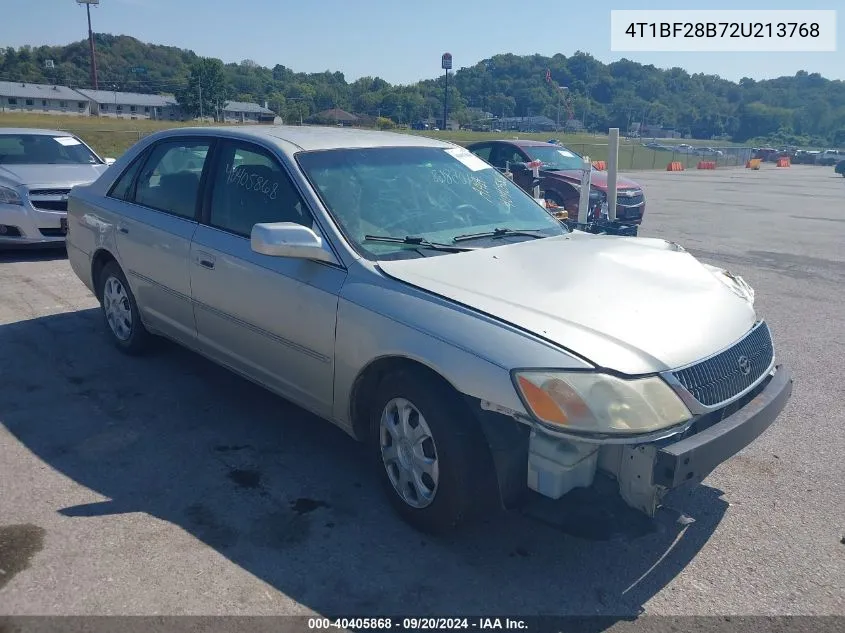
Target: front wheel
[(433, 460), (120, 311)]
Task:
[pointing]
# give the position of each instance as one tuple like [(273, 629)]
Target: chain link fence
[(636, 156), (632, 156)]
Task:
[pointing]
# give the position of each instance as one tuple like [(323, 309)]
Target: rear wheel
[(431, 457), (120, 311)]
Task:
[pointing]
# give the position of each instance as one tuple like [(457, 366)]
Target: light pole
[(446, 64), (560, 91), (88, 4)]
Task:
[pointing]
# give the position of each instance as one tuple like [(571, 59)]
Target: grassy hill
[(805, 109)]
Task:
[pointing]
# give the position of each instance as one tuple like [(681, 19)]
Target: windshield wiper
[(500, 233), (417, 241)]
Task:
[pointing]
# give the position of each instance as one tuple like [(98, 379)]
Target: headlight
[(737, 284), (595, 403), (9, 196)]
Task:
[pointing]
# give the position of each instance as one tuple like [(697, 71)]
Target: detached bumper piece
[(605, 227), (691, 459)]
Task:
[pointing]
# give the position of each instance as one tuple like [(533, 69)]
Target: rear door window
[(170, 178)]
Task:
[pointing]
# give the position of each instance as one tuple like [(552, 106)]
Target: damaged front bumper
[(647, 470)]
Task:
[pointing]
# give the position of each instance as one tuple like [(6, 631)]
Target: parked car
[(685, 148), (765, 154), (38, 168), (830, 157), (561, 176), (840, 167), (709, 151), (805, 157), (403, 289)]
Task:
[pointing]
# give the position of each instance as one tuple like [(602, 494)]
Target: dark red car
[(560, 176)]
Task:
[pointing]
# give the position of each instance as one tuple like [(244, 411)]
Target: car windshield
[(380, 196), (555, 157), (44, 149)]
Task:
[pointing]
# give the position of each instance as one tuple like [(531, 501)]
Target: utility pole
[(199, 87), (93, 53)]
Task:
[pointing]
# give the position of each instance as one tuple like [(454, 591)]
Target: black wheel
[(431, 458), (120, 311), (555, 197)]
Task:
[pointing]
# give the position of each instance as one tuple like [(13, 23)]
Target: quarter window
[(251, 187), (170, 178), (122, 188)]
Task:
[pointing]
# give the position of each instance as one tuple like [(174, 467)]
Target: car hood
[(53, 175), (634, 305), (598, 179)]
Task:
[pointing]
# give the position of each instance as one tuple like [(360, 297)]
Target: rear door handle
[(206, 260)]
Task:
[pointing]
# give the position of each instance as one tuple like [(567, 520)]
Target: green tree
[(206, 88)]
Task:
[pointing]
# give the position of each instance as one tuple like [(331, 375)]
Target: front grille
[(49, 192), (52, 232), (49, 205), (720, 377), (49, 199), (629, 201)]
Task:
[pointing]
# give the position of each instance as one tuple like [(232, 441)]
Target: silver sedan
[(404, 290), (38, 168)]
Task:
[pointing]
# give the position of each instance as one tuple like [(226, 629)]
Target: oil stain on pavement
[(18, 545)]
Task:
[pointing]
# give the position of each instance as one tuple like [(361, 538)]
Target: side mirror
[(109, 161), (288, 239)]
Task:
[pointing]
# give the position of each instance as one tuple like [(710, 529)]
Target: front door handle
[(206, 260)]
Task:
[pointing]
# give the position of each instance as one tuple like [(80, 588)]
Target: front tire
[(120, 312), (432, 459)]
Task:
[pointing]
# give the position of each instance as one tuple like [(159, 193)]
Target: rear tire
[(431, 458), (120, 312)]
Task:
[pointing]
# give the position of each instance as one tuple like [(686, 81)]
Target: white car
[(38, 168)]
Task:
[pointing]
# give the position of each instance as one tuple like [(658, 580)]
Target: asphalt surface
[(166, 485)]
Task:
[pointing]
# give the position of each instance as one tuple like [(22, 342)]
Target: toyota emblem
[(744, 365)]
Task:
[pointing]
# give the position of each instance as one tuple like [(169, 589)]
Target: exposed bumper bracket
[(691, 459)]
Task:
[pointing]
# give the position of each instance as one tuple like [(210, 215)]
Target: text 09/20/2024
[(723, 31)]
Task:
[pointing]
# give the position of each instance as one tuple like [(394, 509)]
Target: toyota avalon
[(403, 289)]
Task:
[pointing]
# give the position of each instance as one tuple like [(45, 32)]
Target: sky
[(398, 40)]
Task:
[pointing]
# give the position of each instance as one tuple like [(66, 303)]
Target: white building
[(42, 98), (132, 105)]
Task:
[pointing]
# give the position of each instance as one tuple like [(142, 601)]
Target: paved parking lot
[(165, 485)]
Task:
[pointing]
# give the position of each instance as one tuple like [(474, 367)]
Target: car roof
[(310, 138), (516, 141), (33, 130)]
